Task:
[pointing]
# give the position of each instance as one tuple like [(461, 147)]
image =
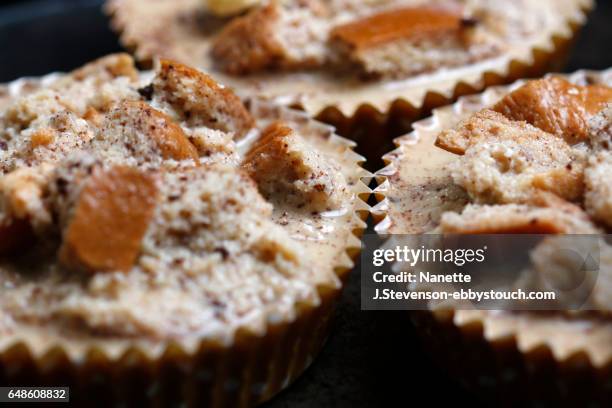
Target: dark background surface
[(372, 358)]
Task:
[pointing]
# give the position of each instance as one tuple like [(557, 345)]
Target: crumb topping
[(521, 152), (127, 204), (382, 39), (145, 132)]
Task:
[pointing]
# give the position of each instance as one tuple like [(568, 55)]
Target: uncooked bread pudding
[(142, 209), (531, 159), (345, 53)]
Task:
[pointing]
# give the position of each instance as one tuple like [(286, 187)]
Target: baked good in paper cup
[(150, 252), (528, 158), (375, 64)]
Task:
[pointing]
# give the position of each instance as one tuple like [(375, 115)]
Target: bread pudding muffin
[(530, 158), (164, 241), (350, 61)]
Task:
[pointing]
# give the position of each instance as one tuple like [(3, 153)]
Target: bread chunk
[(481, 126), (601, 130), (283, 165), (248, 43), (93, 87), (404, 42), (556, 106), (109, 221), (507, 162), (564, 218), (285, 36), (225, 8), (30, 108), (200, 101), (143, 133)]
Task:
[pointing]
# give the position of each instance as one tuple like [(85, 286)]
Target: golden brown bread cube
[(247, 44), (200, 100), (410, 22), (138, 124), (283, 165), (285, 35), (556, 106), (404, 42), (110, 219)]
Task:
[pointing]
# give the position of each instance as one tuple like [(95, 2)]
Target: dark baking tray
[(373, 358)]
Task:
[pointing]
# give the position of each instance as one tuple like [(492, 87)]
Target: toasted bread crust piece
[(225, 8), (275, 134), (281, 163), (564, 218), (136, 121), (286, 35), (111, 217), (556, 106), (200, 100), (514, 161), (414, 23), (483, 125), (404, 42), (248, 43)]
